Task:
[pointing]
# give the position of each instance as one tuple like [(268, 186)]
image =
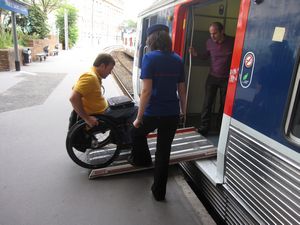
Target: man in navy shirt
[(219, 49)]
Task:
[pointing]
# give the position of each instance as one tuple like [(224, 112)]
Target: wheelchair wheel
[(94, 148)]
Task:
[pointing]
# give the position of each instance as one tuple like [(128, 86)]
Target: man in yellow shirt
[(86, 98)]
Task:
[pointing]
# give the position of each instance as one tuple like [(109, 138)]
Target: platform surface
[(41, 185)]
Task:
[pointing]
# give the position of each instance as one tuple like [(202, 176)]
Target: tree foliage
[(72, 27), (4, 15), (37, 22), (128, 25), (46, 6)]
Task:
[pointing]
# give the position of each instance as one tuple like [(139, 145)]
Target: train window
[(295, 129), (153, 20), (293, 118), (147, 22)]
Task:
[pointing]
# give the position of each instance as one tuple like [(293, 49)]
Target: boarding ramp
[(187, 145)]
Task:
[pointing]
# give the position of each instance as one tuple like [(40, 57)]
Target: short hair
[(104, 58), (159, 40), (218, 25)]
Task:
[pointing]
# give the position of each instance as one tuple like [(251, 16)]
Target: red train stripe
[(178, 131), (237, 54)]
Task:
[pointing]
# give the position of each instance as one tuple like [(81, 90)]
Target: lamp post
[(17, 58), (15, 7), (93, 1), (66, 30)]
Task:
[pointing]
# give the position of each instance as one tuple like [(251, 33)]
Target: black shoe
[(131, 161), (202, 131), (157, 197)]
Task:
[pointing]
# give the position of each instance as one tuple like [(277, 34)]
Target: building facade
[(98, 21)]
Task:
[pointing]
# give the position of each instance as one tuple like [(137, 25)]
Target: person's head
[(158, 38), (216, 31), (104, 63)]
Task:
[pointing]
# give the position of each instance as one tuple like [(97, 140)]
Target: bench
[(54, 52), (41, 56)]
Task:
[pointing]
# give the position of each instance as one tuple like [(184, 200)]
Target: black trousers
[(128, 113), (125, 115), (166, 128), (211, 87)]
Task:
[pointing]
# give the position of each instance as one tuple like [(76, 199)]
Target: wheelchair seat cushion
[(120, 102)]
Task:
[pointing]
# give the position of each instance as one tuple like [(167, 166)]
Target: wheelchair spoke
[(92, 149)]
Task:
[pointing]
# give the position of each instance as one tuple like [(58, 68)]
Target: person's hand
[(137, 123), (182, 118), (91, 121), (192, 51)]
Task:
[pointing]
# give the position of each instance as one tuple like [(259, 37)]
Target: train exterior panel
[(261, 98), (255, 178)]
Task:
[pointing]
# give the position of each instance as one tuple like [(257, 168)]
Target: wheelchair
[(99, 146)]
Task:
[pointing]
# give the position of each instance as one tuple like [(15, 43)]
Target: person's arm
[(182, 97), (144, 99), (76, 102), (193, 51), (202, 55)]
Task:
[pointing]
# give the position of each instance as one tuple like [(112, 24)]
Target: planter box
[(7, 59), (38, 45), (7, 56)]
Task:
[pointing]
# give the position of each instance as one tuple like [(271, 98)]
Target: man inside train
[(219, 48)]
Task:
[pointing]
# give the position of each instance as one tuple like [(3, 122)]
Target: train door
[(200, 16), (141, 50)]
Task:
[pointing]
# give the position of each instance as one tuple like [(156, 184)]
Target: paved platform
[(39, 183)]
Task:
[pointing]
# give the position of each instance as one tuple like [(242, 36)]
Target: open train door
[(199, 16)]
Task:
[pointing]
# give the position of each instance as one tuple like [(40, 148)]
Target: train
[(255, 177), (129, 43)]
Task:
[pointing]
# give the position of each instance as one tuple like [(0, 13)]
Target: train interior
[(199, 18)]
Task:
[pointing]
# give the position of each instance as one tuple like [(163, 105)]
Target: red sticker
[(249, 59)]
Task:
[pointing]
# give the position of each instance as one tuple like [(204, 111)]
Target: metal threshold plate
[(187, 145)]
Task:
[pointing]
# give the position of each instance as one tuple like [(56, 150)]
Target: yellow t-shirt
[(89, 86)]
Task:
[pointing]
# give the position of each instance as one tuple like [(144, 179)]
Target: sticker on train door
[(247, 69)]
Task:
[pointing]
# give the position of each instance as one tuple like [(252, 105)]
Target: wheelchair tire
[(100, 147)]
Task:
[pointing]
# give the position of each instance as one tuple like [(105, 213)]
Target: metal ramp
[(187, 145)]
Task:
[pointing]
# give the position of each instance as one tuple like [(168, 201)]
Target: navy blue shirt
[(165, 70)]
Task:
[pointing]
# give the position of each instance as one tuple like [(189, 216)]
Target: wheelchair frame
[(102, 145)]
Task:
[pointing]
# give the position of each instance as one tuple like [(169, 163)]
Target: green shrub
[(6, 40), (72, 26), (24, 38)]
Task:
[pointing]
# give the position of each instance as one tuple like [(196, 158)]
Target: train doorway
[(199, 18)]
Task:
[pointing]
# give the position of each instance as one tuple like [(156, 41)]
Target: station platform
[(40, 184)]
